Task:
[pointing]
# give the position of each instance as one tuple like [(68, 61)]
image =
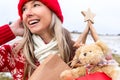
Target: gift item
[(95, 76), (50, 69)]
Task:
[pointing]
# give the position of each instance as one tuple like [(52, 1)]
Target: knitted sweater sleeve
[(5, 34), (7, 62)]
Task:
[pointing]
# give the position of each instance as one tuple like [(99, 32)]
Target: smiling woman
[(43, 34), (37, 17), (42, 21)]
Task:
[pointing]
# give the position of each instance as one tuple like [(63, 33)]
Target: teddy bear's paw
[(68, 78), (66, 75), (116, 79), (116, 75)]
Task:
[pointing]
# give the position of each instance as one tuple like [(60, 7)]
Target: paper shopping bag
[(95, 76), (50, 69)]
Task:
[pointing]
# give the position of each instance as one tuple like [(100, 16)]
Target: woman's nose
[(29, 13)]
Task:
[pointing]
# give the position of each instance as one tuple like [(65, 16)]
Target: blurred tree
[(3, 76)]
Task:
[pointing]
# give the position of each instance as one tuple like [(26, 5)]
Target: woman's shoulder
[(5, 47), (17, 46)]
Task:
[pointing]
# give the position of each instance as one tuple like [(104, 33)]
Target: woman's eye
[(35, 5), (23, 9)]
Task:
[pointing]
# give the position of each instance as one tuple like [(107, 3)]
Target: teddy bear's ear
[(103, 46)]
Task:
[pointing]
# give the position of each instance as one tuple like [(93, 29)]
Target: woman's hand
[(17, 28), (78, 44)]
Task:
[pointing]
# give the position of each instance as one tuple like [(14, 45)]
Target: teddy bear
[(90, 57)]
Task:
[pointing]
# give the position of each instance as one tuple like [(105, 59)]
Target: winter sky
[(107, 19)]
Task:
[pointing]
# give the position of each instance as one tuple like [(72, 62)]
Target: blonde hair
[(64, 44)]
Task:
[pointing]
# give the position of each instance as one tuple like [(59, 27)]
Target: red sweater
[(6, 34), (9, 62)]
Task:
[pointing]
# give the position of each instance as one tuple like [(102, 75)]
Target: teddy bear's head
[(91, 53)]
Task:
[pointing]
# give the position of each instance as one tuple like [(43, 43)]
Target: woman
[(43, 34)]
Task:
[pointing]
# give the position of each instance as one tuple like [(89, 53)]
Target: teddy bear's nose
[(85, 54)]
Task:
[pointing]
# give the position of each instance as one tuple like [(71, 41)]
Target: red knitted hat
[(51, 4)]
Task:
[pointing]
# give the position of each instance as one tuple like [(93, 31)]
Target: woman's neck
[(46, 37)]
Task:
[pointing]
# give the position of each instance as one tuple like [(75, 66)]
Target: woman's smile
[(32, 22)]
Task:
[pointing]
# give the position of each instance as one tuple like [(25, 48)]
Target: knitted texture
[(5, 34), (42, 50), (53, 5)]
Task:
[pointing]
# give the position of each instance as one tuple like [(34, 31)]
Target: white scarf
[(42, 50)]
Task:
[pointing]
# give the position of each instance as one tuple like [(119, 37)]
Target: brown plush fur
[(92, 55)]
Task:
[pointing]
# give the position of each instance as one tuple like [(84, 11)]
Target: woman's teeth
[(34, 22)]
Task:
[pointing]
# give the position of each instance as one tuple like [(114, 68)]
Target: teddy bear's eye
[(85, 54), (90, 51)]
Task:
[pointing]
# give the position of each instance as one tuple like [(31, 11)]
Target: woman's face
[(37, 17)]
